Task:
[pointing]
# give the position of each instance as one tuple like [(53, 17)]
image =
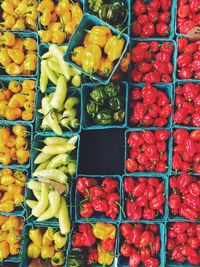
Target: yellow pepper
[(5, 59), (7, 7), (105, 67), (13, 69), (30, 44), (7, 206), (19, 25), (99, 35), (16, 55), (9, 22), (11, 223), (28, 85), (59, 240), (20, 178), (22, 155), (7, 196), (48, 236), (104, 231), (104, 257), (19, 130), (20, 142), (13, 237), (58, 259), (17, 101), (33, 251), (77, 55), (46, 17), (14, 249), (47, 252), (30, 62), (77, 13), (58, 37), (8, 39), (114, 47), (86, 41), (91, 58), (46, 35), (4, 250), (18, 199), (124, 64), (14, 86), (3, 235), (36, 236), (3, 219), (7, 179)]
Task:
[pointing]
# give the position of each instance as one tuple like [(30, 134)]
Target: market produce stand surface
[(99, 133)]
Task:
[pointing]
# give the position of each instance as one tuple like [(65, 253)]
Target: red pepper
[(108, 244), (165, 4), (188, 213), (125, 229), (144, 67), (93, 256), (95, 192), (134, 236), (137, 54), (149, 192), (149, 94), (139, 7), (136, 75), (170, 244), (194, 242), (145, 46), (142, 159), (183, 11), (176, 162), (182, 43), (152, 77), (196, 120), (162, 29), (112, 211), (166, 111), (109, 184), (86, 210), (153, 16), (184, 60), (134, 260), (154, 110), (156, 245), (151, 262), (183, 181), (190, 48), (131, 165), (148, 30), (82, 184), (142, 201), (100, 205), (195, 135), (145, 253), (154, 5), (162, 135), (161, 67), (174, 201), (165, 17), (157, 202), (181, 238), (195, 5), (192, 202), (77, 240), (136, 28), (128, 184), (163, 57), (126, 250), (177, 255), (167, 47), (143, 19), (180, 115), (190, 147), (185, 73), (190, 91), (180, 135), (149, 137), (180, 227), (147, 237), (194, 189), (139, 111), (133, 212), (113, 198), (160, 188)]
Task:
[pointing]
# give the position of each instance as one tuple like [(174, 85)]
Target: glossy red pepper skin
[(147, 237), (109, 185), (108, 244), (93, 256), (162, 29), (126, 250), (86, 210), (166, 5)]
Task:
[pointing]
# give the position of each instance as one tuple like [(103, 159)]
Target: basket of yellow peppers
[(10, 237), (14, 145), (45, 244), (18, 55), (58, 20), (96, 48), (12, 183), (17, 98), (19, 15)]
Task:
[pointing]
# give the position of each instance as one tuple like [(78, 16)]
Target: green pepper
[(112, 89), (95, 4), (116, 103), (119, 116), (77, 262), (92, 109), (77, 257), (104, 117), (98, 95)]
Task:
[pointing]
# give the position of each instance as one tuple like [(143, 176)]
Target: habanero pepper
[(99, 35), (109, 185), (86, 210), (100, 205), (114, 47), (126, 250), (147, 238), (93, 256), (91, 58)]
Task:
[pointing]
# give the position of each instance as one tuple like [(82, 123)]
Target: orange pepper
[(58, 37), (3, 236), (7, 171), (5, 60), (17, 101), (125, 62), (14, 249), (4, 134), (105, 67), (14, 86), (13, 153), (53, 17), (29, 106), (30, 44), (12, 222), (18, 44), (5, 159), (22, 155), (3, 107), (20, 142), (13, 114), (27, 115), (7, 196), (11, 141), (7, 94), (3, 219), (77, 55), (4, 250), (1, 95), (45, 35), (14, 188)]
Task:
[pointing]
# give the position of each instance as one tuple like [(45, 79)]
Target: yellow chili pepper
[(13, 69), (3, 235), (114, 47), (46, 17), (48, 236), (77, 13), (91, 58), (18, 199), (9, 22), (99, 35), (28, 85), (7, 196), (36, 236), (19, 25), (105, 67), (30, 44), (33, 251), (18, 44), (20, 142), (30, 62), (104, 257), (58, 259), (13, 237), (7, 206), (77, 55), (14, 249), (13, 113), (46, 4), (27, 115), (8, 39), (58, 37), (19, 130), (14, 86), (4, 250), (20, 178), (22, 155), (47, 252), (59, 240), (104, 231), (70, 27), (17, 101), (16, 55), (5, 59), (7, 179), (46, 35)]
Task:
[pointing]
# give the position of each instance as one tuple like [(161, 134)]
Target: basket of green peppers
[(104, 105), (114, 12)]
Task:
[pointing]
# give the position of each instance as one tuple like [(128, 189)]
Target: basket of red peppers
[(141, 245), (92, 245), (98, 198)]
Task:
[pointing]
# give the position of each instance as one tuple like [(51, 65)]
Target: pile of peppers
[(92, 244), (106, 104), (114, 13)]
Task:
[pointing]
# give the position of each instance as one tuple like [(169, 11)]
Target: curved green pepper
[(104, 117), (98, 95), (112, 89), (116, 103)]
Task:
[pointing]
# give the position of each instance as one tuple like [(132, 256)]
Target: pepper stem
[(123, 212)]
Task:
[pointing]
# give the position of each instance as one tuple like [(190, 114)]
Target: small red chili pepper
[(93, 256), (100, 205), (147, 237), (109, 184), (126, 250), (86, 210), (162, 29), (108, 244), (125, 229)]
